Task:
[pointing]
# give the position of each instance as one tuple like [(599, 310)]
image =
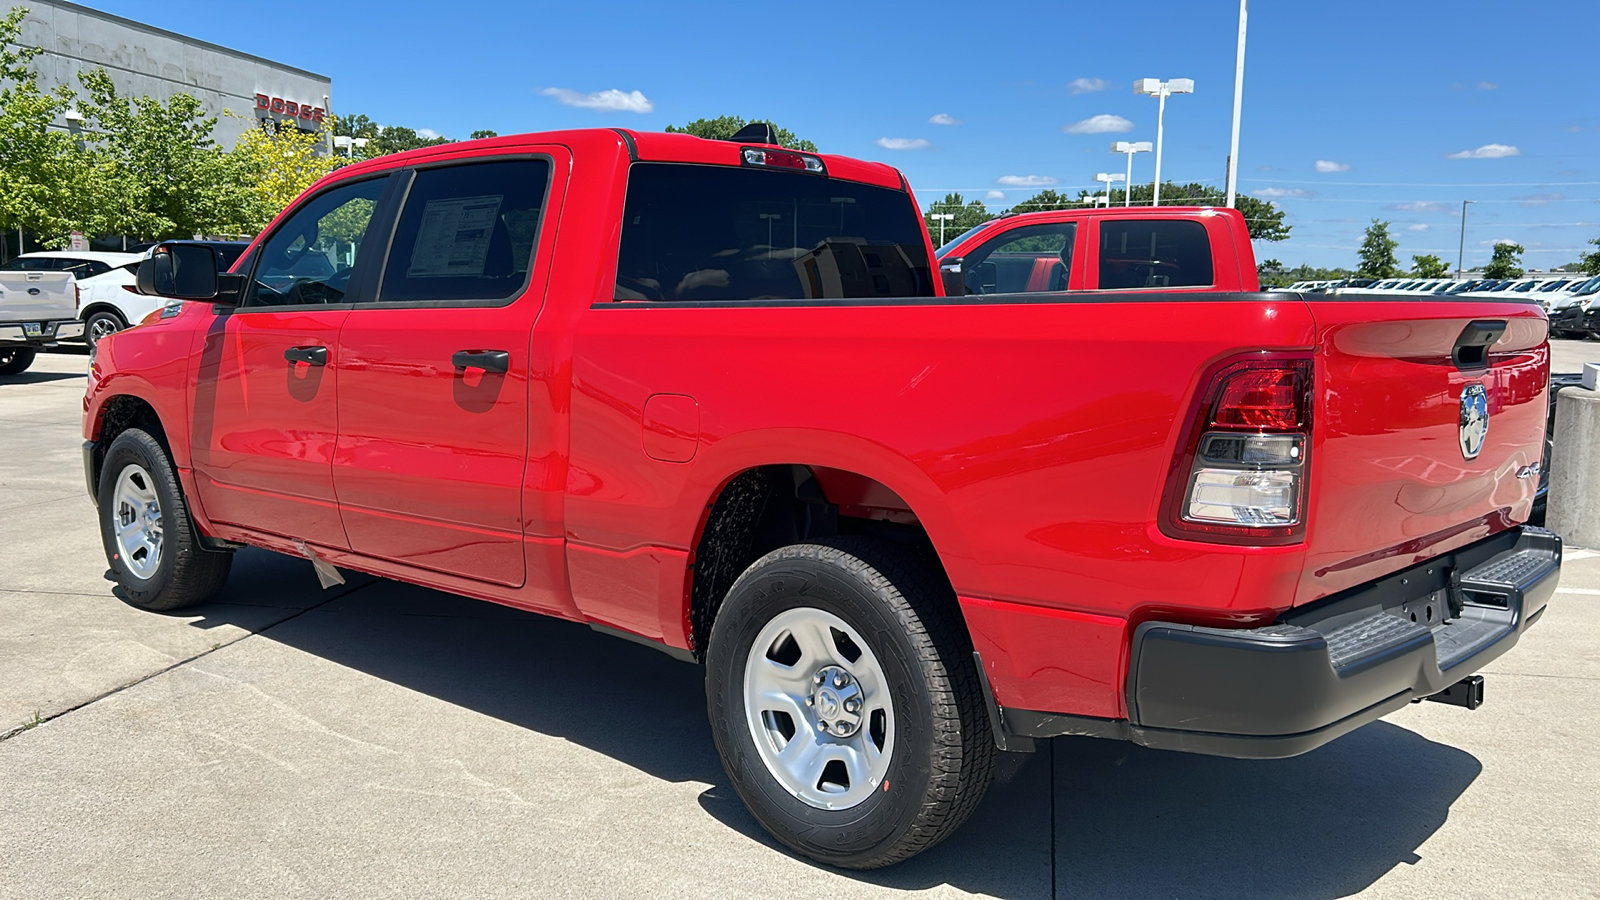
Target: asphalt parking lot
[(379, 740)]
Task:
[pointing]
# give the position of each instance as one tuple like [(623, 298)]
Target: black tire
[(942, 757), (107, 321), (16, 360), (185, 573)]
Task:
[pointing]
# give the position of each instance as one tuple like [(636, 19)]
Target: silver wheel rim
[(819, 709), (101, 327), (137, 521)]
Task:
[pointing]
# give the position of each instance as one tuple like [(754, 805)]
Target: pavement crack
[(39, 720)]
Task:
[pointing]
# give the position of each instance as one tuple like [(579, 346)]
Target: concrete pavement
[(382, 740)]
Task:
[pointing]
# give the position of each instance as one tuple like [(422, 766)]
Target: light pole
[(942, 218), (1108, 179), (1238, 102), (1161, 90), (1130, 148), (1461, 252)]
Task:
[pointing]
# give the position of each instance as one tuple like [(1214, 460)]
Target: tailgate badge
[(1474, 420)]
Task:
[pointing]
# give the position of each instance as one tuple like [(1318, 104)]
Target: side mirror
[(180, 272), (955, 281)]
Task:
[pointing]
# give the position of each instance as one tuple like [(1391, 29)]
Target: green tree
[(724, 127), (1263, 220), (1428, 265), (482, 133), (169, 178), (967, 215), (1590, 262), (47, 184), (1377, 252), (398, 139), (269, 167), (1506, 261), (1049, 199), (354, 126)]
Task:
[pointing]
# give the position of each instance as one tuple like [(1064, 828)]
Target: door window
[(467, 233), (311, 256), (1154, 254), (1023, 260)]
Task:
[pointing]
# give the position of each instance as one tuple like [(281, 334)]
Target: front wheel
[(16, 360), (845, 703), (151, 542)]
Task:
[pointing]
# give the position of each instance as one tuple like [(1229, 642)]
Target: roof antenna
[(757, 133)]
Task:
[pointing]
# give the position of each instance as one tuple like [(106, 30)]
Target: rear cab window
[(721, 233), (1140, 254)]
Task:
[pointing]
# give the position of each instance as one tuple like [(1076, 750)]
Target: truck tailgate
[(37, 296), (1401, 471)]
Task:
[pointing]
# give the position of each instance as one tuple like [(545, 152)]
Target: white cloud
[(1328, 165), (889, 143), (995, 195), (1088, 85), (1487, 151), (1506, 241), (427, 133), (944, 119), (1422, 206), (1420, 226), (1488, 86), (1539, 199), (1100, 124), (1026, 180), (1280, 193), (609, 101)]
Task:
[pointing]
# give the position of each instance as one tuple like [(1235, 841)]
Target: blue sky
[(1410, 107)]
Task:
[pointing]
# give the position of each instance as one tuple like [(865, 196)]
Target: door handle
[(313, 356), (487, 360)]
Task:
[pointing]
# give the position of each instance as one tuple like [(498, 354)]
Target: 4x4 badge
[(1474, 420)]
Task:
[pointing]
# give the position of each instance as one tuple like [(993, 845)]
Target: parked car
[(1167, 248), (1570, 316), (713, 397), (38, 308)]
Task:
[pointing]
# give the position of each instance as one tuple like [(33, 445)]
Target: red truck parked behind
[(1164, 248), (711, 396)]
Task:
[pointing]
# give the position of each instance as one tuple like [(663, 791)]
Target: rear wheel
[(150, 540), (16, 360), (845, 703), (102, 324)]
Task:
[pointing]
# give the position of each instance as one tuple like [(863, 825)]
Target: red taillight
[(1269, 399), (131, 288), (1241, 470), (782, 159), (77, 296)]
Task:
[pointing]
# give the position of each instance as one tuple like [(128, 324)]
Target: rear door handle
[(314, 356), (487, 360)]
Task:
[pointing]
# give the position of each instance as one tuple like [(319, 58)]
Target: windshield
[(939, 253), (1588, 287), (708, 233)]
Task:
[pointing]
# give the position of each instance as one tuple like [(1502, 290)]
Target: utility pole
[(1461, 253), (1238, 102)]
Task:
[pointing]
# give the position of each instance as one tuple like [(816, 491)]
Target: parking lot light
[(1461, 252), (1129, 148), (1108, 179), (942, 218), (1161, 90)]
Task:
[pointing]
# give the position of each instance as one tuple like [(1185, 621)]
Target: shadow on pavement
[(39, 377), (1126, 821)]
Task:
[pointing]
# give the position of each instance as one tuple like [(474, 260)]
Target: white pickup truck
[(37, 309)]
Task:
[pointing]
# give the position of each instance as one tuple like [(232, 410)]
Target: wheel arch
[(100, 306), (757, 505)]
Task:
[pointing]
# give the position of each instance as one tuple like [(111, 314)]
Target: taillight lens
[(1241, 469), (782, 159)]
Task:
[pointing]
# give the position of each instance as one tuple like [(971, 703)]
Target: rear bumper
[(48, 332), (1321, 672)]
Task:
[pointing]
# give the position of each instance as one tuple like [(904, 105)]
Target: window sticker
[(453, 239)]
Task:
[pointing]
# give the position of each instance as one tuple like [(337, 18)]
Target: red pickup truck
[(1123, 249), (712, 396)]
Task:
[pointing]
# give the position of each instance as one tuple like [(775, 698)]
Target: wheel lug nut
[(852, 705), (838, 681), (818, 679), (811, 701), (822, 726)]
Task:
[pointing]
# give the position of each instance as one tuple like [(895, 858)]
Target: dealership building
[(147, 61)]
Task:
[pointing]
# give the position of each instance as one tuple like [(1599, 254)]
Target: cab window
[(1166, 253), (311, 256), (1023, 260), (467, 233)]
